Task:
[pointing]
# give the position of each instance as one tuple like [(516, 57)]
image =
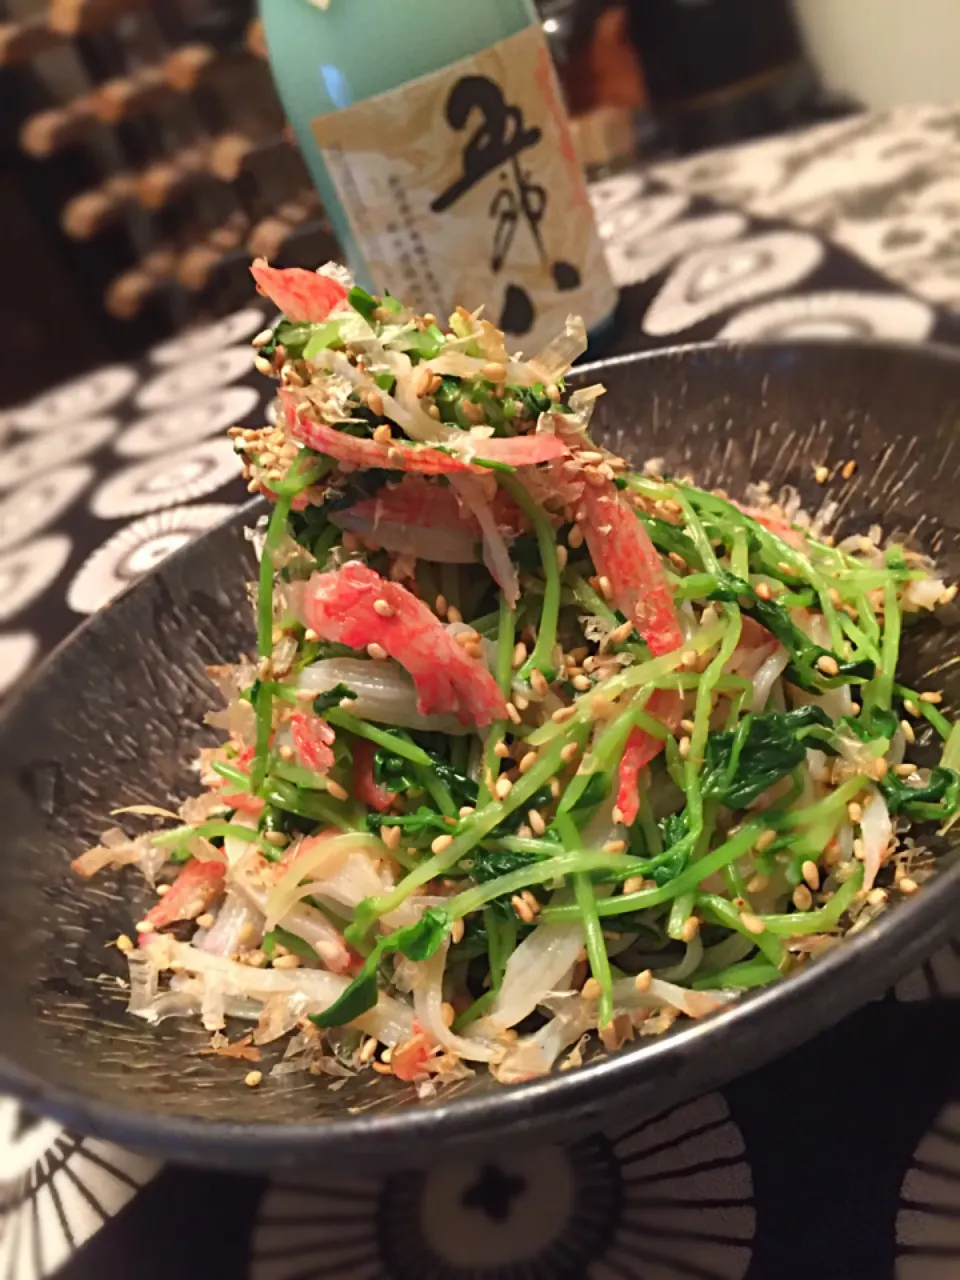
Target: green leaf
[(292, 336), (804, 654), (332, 698), (324, 335), (292, 941), (359, 998), (363, 302), (417, 941), (422, 940), (936, 800), (739, 765), (422, 821)]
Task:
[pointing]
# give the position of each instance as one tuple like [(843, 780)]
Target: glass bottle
[(437, 138)]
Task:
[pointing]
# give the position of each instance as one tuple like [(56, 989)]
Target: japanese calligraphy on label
[(463, 187)]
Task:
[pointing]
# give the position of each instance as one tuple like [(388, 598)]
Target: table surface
[(843, 1160)]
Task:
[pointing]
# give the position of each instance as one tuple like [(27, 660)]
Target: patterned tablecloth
[(843, 1160)]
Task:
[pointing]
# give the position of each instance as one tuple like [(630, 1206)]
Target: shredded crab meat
[(341, 607)]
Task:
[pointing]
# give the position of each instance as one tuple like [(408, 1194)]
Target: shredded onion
[(390, 1021), (534, 1055), (385, 693), (923, 593), (428, 1008), (320, 856), (766, 677), (695, 1004), (558, 356), (876, 830), (534, 970), (236, 919), (496, 554)]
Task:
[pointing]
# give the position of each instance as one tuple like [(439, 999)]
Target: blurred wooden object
[(255, 40), (603, 69), (20, 41), (46, 132), (171, 159), (91, 211), (70, 17)]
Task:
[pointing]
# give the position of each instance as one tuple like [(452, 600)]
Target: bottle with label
[(437, 138)]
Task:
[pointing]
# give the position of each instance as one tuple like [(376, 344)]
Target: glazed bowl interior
[(115, 719)]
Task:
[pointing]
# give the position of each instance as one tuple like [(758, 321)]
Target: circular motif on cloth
[(27, 571), (17, 651), (136, 550), (222, 333), (190, 378), (611, 193), (22, 461), (184, 423), (82, 398), (57, 1190), (167, 479), (928, 1221), (717, 278), (637, 258), (842, 315), (667, 1199), (38, 504)]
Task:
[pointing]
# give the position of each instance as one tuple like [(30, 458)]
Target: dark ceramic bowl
[(112, 719)]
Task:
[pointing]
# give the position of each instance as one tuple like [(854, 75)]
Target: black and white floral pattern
[(843, 1162)]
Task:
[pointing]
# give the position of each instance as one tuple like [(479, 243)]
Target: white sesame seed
[(377, 652), (335, 789), (384, 609), (752, 924), (390, 836), (286, 962), (503, 787), (908, 886), (931, 696), (569, 752), (145, 926), (205, 921), (802, 898), (689, 929), (828, 665), (124, 944), (643, 980), (811, 874), (441, 844), (252, 1079), (535, 818)]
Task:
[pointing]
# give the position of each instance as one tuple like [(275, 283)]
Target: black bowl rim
[(883, 952)]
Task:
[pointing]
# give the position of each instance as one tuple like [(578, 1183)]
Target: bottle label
[(463, 188)]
